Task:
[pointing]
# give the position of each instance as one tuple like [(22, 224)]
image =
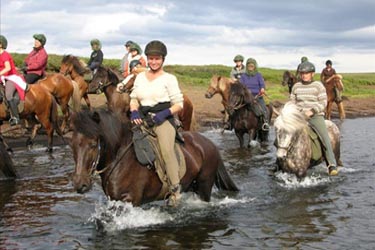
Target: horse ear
[(95, 117)]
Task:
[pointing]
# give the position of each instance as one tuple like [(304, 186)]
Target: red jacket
[(37, 61)]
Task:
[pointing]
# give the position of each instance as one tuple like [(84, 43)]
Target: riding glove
[(135, 115), (161, 116)]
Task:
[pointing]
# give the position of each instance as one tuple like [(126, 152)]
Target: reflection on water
[(40, 210)]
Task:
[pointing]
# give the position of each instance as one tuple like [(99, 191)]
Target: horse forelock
[(290, 118), (110, 128)]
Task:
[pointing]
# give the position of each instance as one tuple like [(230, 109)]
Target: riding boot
[(175, 196), (14, 116)]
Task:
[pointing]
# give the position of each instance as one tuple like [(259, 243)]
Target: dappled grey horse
[(298, 148)]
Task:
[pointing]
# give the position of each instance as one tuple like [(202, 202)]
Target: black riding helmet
[(133, 63), (328, 62), (156, 48), (306, 67)]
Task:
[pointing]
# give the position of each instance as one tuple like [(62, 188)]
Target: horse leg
[(44, 120), (328, 110), (87, 100), (252, 138), (30, 140), (341, 109), (66, 115), (240, 138)]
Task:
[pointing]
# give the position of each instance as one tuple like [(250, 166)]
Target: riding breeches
[(10, 89), (166, 135), (319, 125), (262, 103)]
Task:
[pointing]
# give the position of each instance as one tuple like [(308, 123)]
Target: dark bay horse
[(106, 80), (6, 163), (330, 84), (102, 142), (289, 79), (70, 65), (62, 88), (242, 108), (220, 85), (295, 147), (39, 107)]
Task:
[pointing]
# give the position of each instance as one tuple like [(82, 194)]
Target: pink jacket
[(37, 61)]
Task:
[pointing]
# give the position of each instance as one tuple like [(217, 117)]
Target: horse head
[(287, 126), (213, 88), (93, 134), (239, 96), (286, 78), (66, 66), (102, 78)]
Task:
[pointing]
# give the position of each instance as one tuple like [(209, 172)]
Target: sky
[(202, 32)]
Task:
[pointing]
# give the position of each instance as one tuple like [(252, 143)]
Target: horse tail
[(54, 118), (223, 181), (76, 97)]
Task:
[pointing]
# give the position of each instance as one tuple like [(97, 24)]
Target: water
[(40, 210)]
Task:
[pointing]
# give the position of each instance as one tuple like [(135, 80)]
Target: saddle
[(149, 154)]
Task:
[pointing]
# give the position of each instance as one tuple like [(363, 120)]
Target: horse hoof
[(29, 142), (49, 150)]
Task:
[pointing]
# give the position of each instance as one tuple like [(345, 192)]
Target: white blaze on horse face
[(283, 142)]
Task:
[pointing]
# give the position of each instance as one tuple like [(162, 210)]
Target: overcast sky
[(276, 33)]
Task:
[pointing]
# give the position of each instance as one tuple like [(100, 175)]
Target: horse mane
[(290, 118), (335, 76), (239, 90), (103, 124), (77, 64)]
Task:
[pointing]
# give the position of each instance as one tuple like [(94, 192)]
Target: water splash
[(290, 181)]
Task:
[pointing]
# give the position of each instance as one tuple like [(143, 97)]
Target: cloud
[(276, 32)]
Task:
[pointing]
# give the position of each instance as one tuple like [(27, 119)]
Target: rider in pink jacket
[(36, 62)]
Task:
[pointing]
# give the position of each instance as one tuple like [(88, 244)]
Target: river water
[(40, 210)]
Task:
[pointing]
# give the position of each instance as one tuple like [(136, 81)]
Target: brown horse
[(106, 80), (330, 84), (242, 108), (220, 85), (6, 163), (102, 142), (70, 65), (62, 89), (39, 106), (289, 79)]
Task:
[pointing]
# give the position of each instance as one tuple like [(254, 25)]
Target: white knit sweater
[(312, 96)]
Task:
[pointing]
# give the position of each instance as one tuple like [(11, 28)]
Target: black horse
[(289, 79), (6, 163), (244, 113)]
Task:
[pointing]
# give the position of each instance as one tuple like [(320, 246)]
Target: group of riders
[(156, 94), (309, 95)]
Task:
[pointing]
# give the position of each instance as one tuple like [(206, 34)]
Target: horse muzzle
[(81, 183), (208, 95)]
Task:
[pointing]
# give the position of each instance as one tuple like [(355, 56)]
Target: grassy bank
[(357, 85)]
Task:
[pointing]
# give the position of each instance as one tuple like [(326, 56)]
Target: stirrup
[(332, 170), (265, 126), (13, 121)]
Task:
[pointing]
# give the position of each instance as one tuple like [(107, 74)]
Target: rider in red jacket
[(36, 62)]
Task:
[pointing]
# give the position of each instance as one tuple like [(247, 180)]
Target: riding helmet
[(238, 58), (3, 41), (128, 43), (329, 62), (306, 67), (156, 48), (95, 42), (135, 46), (133, 63), (41, 38), (304, 59)]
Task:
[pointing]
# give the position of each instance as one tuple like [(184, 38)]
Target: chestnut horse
[(242, 108), (102, 143), (63, 90), (106, 80), (330, 84), (39, 106), (220, 85), (289, 79), (295, 146), (70, 65)]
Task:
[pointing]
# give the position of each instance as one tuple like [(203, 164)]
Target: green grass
[(357, 85)]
